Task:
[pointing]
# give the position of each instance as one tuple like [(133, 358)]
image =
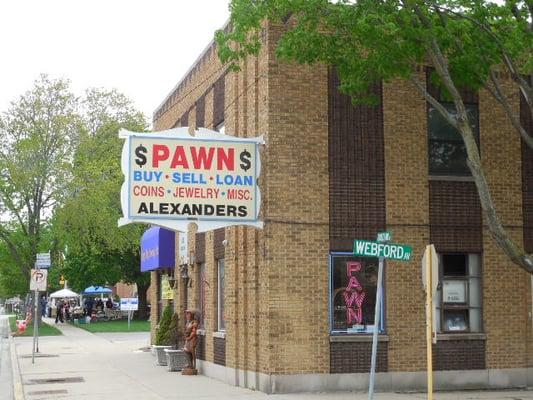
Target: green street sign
[(384, 237), (366, 248)]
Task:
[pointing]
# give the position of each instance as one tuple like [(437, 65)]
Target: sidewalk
[(82, 365)]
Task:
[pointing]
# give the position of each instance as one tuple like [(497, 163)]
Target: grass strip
[(120, 325), (44, 329)]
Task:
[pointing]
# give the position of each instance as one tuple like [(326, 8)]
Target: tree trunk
[(142, 288)]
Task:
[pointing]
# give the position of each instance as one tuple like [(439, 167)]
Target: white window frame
[(473, 264)]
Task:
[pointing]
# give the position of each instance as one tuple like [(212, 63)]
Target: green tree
[(166, 331), (98, 251), (38, 133), (467, 42), (12, 280)]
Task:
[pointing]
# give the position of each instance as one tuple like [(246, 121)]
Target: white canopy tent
[(63, 293)]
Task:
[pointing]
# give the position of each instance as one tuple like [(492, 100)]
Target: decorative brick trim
[(220, 235), (220, 350), (200, 349), (200, 112), (527, 177), (459, 355), (185, 118), (356, 168), (219, 89), (199, 247), (350, 357), (455, 217)]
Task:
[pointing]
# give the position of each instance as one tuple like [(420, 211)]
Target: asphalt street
[(6, 374)]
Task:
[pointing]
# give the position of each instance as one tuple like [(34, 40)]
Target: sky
[(140, 47)]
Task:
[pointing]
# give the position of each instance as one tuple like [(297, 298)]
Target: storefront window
[(353, 294), (220, 296), (459, 295)]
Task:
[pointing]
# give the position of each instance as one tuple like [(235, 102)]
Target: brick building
[(273, 315)]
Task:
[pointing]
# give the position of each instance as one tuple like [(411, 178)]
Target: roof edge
[(202, 54)]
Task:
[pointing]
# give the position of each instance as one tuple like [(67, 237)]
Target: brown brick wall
[(459, 355), (356, 357), (274, 276), (296, 206), (506, 342), (407, 207), (356, 168), (220, 350)]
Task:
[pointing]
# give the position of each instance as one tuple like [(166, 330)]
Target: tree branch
[(434, 102), (497, 93), (513, 251)]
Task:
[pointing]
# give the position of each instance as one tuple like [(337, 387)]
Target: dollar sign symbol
[(140, 152), (245, 160)]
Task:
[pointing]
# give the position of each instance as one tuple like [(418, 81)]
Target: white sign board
[(129, 304), (172, 179), (43, 260), (38, 279), (454, 291), (183, 248)]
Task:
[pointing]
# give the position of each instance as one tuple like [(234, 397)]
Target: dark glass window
[(353, 293), (447, 152)]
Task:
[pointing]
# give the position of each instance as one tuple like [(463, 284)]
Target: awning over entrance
[(157, 249)]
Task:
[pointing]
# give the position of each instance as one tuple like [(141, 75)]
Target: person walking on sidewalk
[(59, 311)]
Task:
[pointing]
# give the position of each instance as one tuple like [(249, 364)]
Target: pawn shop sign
[(38, 279)]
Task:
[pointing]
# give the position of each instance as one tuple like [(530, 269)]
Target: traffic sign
[(366, 248), (43, 260), (38, 279)]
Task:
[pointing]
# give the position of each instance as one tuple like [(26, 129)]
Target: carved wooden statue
[(191, 338)]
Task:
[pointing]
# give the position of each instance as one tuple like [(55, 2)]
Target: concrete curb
[(18, 390)]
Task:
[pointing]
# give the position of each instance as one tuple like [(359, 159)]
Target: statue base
[(189, 371)]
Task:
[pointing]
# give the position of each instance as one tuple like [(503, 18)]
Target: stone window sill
[(357, 338), (201, 332), (220, 334), (461, 336), (453, 178)]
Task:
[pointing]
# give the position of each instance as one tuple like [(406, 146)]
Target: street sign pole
[(430, 270), (429, 321), (381, 249), (35, 328), (376, 328)]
